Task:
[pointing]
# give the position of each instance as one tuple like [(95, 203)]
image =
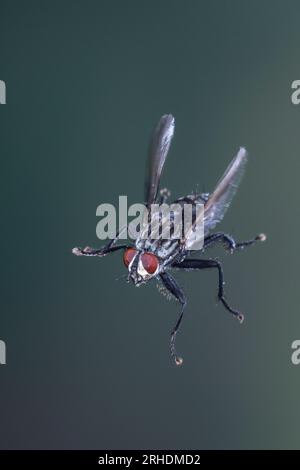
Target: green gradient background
[(88, 361)]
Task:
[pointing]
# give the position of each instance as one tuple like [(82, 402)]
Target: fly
[(151, 259)]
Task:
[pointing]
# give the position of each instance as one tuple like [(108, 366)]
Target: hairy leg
[(172, 286), (206, 264), (229, 242), (88, 251), (104, 250)]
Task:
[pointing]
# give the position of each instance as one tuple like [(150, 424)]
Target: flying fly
[(149, 258)]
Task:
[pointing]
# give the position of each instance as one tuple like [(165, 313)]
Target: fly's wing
[(158, 150), (219, 201)]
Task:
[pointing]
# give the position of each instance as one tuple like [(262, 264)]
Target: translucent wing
[(219, 201), (158, 150)]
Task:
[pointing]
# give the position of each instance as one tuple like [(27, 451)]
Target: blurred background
[(88, 362)]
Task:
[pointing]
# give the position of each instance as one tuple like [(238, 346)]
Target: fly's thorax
[(166, 227), (163, 249)]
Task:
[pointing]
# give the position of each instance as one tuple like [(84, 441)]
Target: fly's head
[(142, 265)]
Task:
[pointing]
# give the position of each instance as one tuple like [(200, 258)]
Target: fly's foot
[(261, 237), (178, 360), (81, 252), (165, 192), (88, 251), (77, 251), (240, 317), (164, 195)]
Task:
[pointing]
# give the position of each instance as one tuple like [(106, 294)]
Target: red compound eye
[(150, 262), (128, 256)]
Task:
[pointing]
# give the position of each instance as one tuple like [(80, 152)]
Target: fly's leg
[(261, 237), (164, 195), (224, 238), (88, 251), (211, 263), (172, 286), (229, 242), (108, 248)]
